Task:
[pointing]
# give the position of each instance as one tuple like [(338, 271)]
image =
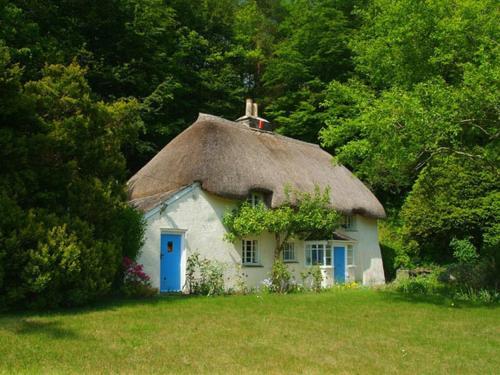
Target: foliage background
[(405, 93)]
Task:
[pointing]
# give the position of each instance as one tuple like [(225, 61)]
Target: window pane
[(249, 251), (254, 199), (317, 257), (350, 255), (288, 252), (349, 222), (328, 257), (316, 254)]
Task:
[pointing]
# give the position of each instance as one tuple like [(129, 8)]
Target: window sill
[(252, 265), (290, 261)]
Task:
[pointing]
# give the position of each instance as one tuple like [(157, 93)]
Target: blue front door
[(339, 264), (170, 264)]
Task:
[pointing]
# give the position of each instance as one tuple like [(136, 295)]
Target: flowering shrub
[(281, 278), (267, 285), (135, 282), (241, 286), (312, 278), (134, 271), (349, 285), (204, 276)]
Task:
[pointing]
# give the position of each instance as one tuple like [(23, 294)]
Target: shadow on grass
[(46, 323), (433, 299), (32, 326), (107, 304)]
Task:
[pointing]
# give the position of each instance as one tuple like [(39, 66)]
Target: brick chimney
[(252, 118)]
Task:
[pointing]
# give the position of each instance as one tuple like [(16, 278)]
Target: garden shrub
[(395, 253), (135, 282), (467, 282), (240, 285), (423, 284), (312, 278), (477, 275), (204, 276), (453, 211), (280, 277), (484, 296), (54, 264), (463, 250)]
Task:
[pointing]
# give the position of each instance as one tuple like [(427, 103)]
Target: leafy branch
[(300, 215)]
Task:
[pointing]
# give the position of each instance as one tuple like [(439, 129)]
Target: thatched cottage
[(206, 170)]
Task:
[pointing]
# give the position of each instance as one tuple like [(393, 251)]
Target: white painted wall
[(367, 256), (198, 215)]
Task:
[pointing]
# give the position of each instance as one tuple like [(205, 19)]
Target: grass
[(344, 331)]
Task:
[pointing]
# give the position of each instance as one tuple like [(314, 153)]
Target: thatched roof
[(230, 159), (146, 203)]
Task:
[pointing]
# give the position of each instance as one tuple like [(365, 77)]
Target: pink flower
[(134, 272)]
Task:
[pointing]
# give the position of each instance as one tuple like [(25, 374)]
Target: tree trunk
[(277, 249), (280, 245)]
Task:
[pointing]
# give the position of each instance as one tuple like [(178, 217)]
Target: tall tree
[(425, 98), (65, 222), (312, 51), (177, 59)]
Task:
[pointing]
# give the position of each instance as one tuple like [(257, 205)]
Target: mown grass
[(344, 331)]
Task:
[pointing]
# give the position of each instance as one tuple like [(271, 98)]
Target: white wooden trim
[(173, 230), (170, 200), (256, 250), (347, 257), (319, 241), (342, 242)]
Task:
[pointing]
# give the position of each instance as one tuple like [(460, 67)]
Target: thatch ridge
[(208, 117), (230, 159)]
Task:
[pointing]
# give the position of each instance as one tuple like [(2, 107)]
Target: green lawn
[(351, 331)]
